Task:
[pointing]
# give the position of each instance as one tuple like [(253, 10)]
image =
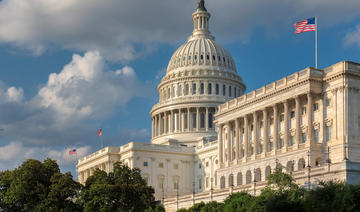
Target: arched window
[(224, 90), (239, 178), (186, 89), (194, 89), (258, 175), (194, 120), (209, 88), (301, 164), (222, 182), (248, 177), (267, 172), (201, 88), (290, 166), (231, 180)]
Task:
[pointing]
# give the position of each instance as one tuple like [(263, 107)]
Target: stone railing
[(101, 152)]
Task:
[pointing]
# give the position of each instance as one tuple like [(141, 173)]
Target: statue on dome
[(201, 5)]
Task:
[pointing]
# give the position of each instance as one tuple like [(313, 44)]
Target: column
[(229, 143), (246, 136), (276, 125), (157, 124), (197, 119), (172, 119), (256, 143), (153, 126), (309, 118), (237, 141), (205, 84), (188, 120), (221, 144), (297, 120), (165, 123), (161, 122), (180, 125), (265, 131), (286, 124), (207, 119)]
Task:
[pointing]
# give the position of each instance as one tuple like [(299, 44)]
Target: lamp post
[(193, 192), (309, 167), (177, 197), (163, 195), (211, 189), (328, 161), (254, 182), (345, 151)]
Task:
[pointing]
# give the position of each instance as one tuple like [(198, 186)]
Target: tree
[(121, 190), (36, 186)]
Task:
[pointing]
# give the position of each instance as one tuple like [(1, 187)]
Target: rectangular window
[(194, 120), (186, 89), (209, 88), (229, 91), (200, 183), (303, 137), (201, 88), (202, 120), (292, 114), (217, 89), (210, 120), (224, 90), (194, 89), (145, 163), (328, 133), (316, 136), (235, 92)]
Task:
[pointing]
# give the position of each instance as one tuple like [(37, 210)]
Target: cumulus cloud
[(125, 29), (64, 158), (353, 37), (10, 94)]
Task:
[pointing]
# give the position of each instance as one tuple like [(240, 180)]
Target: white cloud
[(64, 158), (11, 151), (353, 37), (125, 29), (10, 94)]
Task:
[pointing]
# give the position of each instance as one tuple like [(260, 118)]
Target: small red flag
[(99, 133), (72, 152)]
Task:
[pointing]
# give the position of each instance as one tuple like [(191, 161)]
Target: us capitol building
[(209, 139)]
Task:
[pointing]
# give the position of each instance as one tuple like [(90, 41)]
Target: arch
[(301, 164), (222, 182), (318, 162), (248, 177), (231, 180), (239, 179), (257, 175), (267, 172), (290, 166)]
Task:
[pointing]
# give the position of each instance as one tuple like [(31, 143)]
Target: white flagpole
[(316, 48)]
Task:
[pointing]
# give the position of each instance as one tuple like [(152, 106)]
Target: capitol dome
[(200, 76)]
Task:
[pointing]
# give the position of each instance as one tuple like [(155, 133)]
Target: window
[(145, 163), (195, 57), (161, 165), (186, 89), (210, 120), (217, 89), (202, 120), (224, 90), (316, 106), (292, 114), (194, 88), (176, 166), (176, 184), (303, 137), (194, 120), (209, 88), (316, 135), (201, 57), (328, 133), (201, 88), (213, 57), (234, 92), (281, 143), (207, 57), (146, 178), (200, 183), (161, 182), (229, 91)]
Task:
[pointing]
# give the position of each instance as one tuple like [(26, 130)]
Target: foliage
[(121, 190), (36, 186)]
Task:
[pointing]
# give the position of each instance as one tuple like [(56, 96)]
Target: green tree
[(238, 202), (36, 186), (121, 190)]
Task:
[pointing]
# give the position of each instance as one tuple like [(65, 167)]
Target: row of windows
[(213, 58), (161, 165), (176, 91)]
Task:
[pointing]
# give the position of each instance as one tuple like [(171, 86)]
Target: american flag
[(99, 133), (307, 25), (72, 152)]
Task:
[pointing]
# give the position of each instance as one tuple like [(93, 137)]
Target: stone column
[(276, 126), (265, 131), (197, 119), (207, 119), (297, 120), (172, 120), (256, 143), (221, 144), (180, 125), (246, 136), (309, 118), (237, 135), (286, 124), (189, 120), (155, 126), (166, 123), (228, 126), (205, 84)]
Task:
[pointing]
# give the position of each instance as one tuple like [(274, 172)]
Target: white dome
[(201, 51)]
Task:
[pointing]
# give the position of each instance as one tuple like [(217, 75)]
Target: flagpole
[(316, 44)]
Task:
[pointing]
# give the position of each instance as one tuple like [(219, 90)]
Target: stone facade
[(209, 139)]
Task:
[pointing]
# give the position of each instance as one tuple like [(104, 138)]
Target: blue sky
[(71, 67)]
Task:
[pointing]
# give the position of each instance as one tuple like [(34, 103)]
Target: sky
[(71, 67)]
